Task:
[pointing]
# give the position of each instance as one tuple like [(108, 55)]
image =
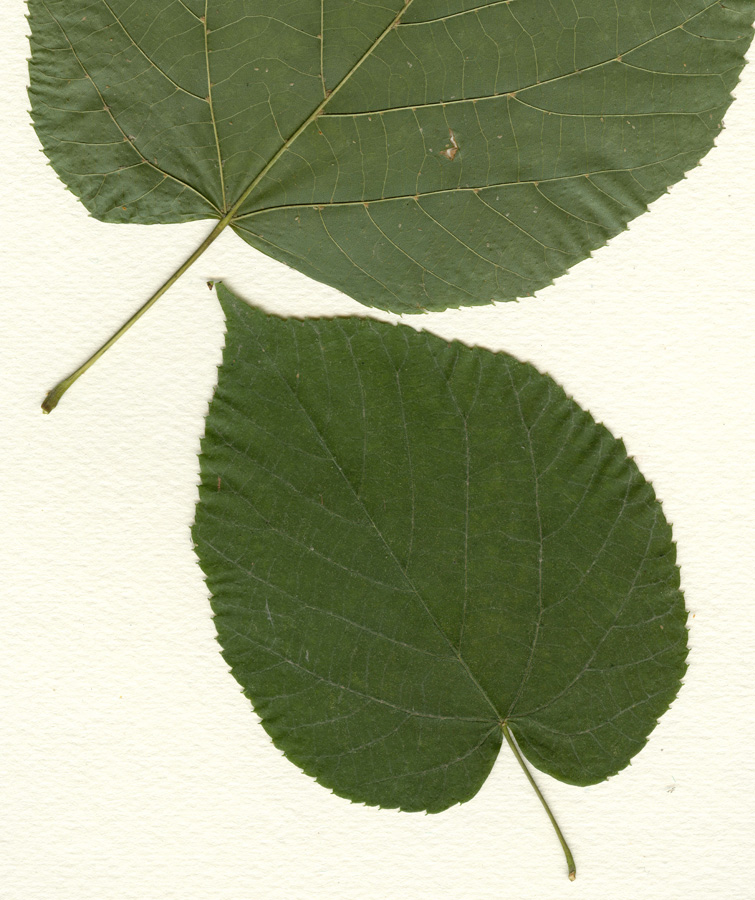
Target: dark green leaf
[(410, 543), (417, 154)]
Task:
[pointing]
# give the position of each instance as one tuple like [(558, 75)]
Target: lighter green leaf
[(411, 543), (417, 154)]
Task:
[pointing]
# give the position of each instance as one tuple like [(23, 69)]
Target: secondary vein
[(212, 109), (107, 109)]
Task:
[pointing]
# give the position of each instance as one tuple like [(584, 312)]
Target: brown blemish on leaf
[(450, 152)]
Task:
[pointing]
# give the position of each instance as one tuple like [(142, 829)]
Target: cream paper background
[(130, 764)]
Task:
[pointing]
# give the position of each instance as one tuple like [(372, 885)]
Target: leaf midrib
[(312, 116)]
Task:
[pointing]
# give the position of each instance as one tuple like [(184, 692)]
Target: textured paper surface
[(131, 765)]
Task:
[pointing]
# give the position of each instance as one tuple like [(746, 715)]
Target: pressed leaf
[(417, 154), (411, 544)]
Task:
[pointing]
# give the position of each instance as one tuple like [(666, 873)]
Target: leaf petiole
[(520, 759), (54, 396)]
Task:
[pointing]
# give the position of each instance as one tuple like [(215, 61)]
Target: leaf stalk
[(520, 759), (54, 396)]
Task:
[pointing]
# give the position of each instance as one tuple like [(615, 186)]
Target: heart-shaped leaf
[(415, 547), (412, 153)]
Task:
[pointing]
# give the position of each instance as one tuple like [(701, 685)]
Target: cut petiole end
[(520, 759), (53, 398)]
